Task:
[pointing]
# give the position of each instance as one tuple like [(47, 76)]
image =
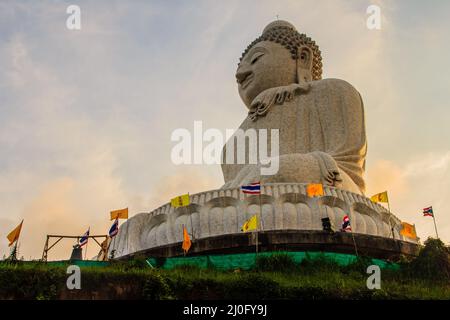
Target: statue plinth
[(285, 206)]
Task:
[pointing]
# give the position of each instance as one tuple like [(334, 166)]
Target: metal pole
[(85, 253), (350, 211), (182, 243), (258, 218), (435, 228), (190, 216), (354, 242), (389, 209), (128, 227)]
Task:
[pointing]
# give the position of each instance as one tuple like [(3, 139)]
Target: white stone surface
[(322, 140), (285, 206)]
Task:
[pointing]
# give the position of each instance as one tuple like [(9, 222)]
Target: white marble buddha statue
[(320, 121)]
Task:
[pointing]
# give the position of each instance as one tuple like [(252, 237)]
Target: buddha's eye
[(256, 56)]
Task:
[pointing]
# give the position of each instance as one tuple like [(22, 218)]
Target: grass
[(113, 282), (274, 277)]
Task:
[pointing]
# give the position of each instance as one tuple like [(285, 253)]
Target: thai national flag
[(84, 238), (114, 228), (253, 188), (428, 212), (346, 224)]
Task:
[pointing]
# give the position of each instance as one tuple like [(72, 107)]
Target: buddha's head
[(279, 57)]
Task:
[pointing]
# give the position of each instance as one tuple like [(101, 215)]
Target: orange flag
[(314, 189), (186, 241), (408, 230), (14, 235)]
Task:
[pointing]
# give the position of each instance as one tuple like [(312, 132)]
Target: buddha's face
[(266, 65)]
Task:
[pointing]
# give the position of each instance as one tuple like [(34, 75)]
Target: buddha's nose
[(242, 74)]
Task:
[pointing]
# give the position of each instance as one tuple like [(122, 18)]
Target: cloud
[(385, 175), (86, 117), (183, 180), (423, 182)]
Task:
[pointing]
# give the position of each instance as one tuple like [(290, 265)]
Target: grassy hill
[(274, 277)]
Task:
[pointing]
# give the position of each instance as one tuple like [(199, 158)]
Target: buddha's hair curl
[(291, 40)]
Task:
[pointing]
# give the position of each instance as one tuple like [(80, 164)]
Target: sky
[(86, 115)]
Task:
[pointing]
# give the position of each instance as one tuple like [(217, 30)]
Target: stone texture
[(322, 140), (321, 122), (284, 207), (289, 240)]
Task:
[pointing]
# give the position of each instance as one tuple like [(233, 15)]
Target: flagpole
[(354, 242), (182, 244), (434, 220), (128, 228), (389, 209), (85, 253), (13, 254), (16, 245), (259, 219), (190, 216)]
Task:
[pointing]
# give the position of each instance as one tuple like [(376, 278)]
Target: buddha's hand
[(278, 95), (296, 167)]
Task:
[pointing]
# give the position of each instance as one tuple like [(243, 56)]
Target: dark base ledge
[(288, 240)]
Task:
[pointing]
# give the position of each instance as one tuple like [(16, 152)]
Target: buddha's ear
[(304, 64)]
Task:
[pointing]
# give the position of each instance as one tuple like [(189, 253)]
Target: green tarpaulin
[(247, 261), (80, 263)]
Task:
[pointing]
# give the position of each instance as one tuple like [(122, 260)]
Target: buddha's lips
[(246, 81)]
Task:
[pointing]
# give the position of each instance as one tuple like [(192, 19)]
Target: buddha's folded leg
[(314, 167)]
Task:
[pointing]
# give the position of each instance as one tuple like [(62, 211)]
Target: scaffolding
[(48, 246)]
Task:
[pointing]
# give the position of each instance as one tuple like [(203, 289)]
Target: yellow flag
[(119, 214), (14, 235), (408, 230), (380, 197), (186, 240), (180, 201), (250, 224), (314, 189)]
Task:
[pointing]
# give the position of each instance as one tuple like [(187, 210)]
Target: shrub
[(155, 287), (19, 281), (255, 286), (276, 262), (188, 268), (138, 262), (359, 265), (318, 264), (433, 261)]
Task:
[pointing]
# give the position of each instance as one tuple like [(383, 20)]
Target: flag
[(253, 188), (314, 189), (380, 197), (119, 214), (84, 238), (250, 224), (114, 228), (428, 212), (180, 201), (186, 240), (14, 235), (408, 230), (346, 227)]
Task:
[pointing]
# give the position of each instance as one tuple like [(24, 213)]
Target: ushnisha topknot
[(284, 33)]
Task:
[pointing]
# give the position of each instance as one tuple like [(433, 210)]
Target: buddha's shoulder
[(334, 86)]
